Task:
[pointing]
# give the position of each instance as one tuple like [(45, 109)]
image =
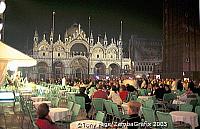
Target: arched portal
[(42, 70), (58, 69), (114, 69), (100, 69), (78, 49), (79, 68)]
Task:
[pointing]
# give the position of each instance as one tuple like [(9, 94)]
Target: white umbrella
[(12, 57)]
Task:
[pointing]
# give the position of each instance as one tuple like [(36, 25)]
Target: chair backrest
[(108, 104), (100, 116), (133, 98), (70, 105), (149, 114), (194, 102), (149, 103), (31, 118), (140, 100), (115, 110), (165, 117), (169, 97), (130, 94), (71, 97), (55, 101), (185, 107), (143, 92), (197, 110), (98, 104), (81, 101), (75, 111)]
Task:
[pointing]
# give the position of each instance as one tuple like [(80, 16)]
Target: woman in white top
[(114, 96)]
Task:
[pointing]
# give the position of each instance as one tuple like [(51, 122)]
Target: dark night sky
[(22, 17)]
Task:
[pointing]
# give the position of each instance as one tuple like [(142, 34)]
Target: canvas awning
[(11, 57)]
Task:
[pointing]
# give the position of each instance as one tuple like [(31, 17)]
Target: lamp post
[(53, 27), (2, 9), (89, 50)]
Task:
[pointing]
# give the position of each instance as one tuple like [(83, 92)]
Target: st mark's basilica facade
[(77, 54)]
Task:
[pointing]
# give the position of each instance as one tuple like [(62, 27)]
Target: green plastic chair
[(71, 97), (55, 101), (117, 114), (142, 92), (198, 100), (185, 107), (130, 94), (100, 116), (133, 98), (149, 103), (149, 115), (98, 104), (108, 107), (167, 118), (140, 101), (194, 102), (75, 111), (32, 118), (70, 105), (197, 110), (169, 97), (66, 122), (81, 101)]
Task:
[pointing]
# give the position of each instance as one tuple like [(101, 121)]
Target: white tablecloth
[(57, 114), (178, 102), (145, 98), (187, 117), (36, 104), (37, 99), (86, 124)]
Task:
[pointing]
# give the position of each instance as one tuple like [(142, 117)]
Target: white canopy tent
[(10, 57)]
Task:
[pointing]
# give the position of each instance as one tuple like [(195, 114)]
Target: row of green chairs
[(112, 111), (153, 117)]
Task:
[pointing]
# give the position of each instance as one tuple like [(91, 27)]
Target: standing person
[(44, 121), (87, 99), (63, 81)]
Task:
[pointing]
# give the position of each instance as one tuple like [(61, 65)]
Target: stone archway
[(100, 69), (42, 70), (79, 68), (114, 69), (79, 49)]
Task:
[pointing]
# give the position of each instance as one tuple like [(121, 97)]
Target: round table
[(145, 98), (36, 104), (187, 117), (86, 124), (37, 99), (57, 114)]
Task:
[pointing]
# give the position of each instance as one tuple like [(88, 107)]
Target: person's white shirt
[(63, 81), (115, 97)]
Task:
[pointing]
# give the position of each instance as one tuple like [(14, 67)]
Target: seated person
[(133, 111), (114, 96), (100, 93), (123, 93), (44, 121), (87, 99), (159, 91)]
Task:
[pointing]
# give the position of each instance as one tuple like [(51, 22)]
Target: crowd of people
[(117, 92)]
